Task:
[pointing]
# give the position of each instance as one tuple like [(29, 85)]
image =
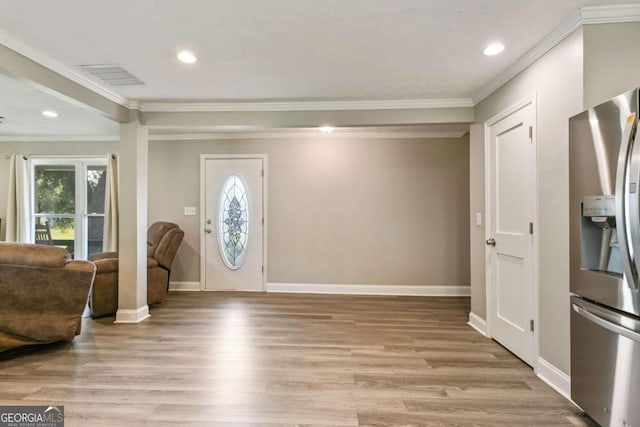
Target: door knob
[(490, 242), (207, 230)]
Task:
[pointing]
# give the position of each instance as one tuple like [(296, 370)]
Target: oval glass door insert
[(233, 222)]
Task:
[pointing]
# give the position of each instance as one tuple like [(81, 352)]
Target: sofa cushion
[(31, 255)]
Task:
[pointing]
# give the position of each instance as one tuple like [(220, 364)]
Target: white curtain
[(110, 239), (18, 227)]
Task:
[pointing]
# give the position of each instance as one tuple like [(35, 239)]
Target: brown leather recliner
[(163, 241), (42, 294)]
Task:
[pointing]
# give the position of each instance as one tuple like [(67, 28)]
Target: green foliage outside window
[(56, 192)]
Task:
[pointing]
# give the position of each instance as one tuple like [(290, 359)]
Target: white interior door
[(510, 243), (233, 224)]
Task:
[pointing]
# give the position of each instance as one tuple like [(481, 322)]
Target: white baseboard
[(184, 286), (132, 316), (398, 290), (554, 377), (477, 323)]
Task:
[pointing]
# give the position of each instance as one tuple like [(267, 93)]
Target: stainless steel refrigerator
[(604, 185)]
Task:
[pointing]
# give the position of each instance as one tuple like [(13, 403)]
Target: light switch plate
[(478, 219), (190, 210)]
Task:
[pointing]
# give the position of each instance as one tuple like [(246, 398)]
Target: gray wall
[(353, 211), (556, 78), (611, 61), (44, 149)]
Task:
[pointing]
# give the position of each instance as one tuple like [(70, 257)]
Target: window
[(68, 203), (233, 222)]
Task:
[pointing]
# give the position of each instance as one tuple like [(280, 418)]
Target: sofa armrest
[(80, 265), (103, 255), (152, 262), (108, 265)]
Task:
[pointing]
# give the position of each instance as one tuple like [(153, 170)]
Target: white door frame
[(202, 226), (488, 162)]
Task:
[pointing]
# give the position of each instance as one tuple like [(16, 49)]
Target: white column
[(133, 171)]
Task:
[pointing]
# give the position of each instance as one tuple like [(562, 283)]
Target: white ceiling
[(21, 105), (275, 50)]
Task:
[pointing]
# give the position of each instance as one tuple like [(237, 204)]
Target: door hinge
[(530, 228), (263, 268), (262, 221), (262, 173), (531, 133), (531, 325)]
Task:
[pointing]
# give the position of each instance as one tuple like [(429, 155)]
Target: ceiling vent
[(112, 74)]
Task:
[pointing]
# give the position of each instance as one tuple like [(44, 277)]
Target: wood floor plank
[(266, 360)]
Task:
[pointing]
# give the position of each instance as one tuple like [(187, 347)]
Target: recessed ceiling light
[(187, 57), (493, 49), (326, 129), (49, 113)]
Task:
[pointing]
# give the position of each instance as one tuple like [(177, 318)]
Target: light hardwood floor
[(231, 359)]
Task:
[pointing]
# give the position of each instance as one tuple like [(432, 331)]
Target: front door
[(510, 243), (233, 223)]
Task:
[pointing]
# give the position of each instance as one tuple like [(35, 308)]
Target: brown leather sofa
[(163, 241), (42, 294)]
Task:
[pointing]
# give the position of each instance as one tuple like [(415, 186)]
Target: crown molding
[(9, 40), (585, 16), (401, 104), (545, 45), (243, 135), (304, 134), (610, 14), (46, 138)]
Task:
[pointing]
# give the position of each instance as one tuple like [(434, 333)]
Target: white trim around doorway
[(530, 99), (265, 198)]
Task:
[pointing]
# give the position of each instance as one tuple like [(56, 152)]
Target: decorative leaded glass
[(233, 222)]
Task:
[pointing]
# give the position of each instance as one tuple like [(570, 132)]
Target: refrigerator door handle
[(606, 324), (622, 226), (634, 201)]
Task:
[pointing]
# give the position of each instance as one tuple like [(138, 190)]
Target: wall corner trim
[(184, 286), (355, 289), (132, 316), (477, 323), (554, 377)]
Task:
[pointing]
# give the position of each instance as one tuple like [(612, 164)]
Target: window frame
[(81, 216)]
